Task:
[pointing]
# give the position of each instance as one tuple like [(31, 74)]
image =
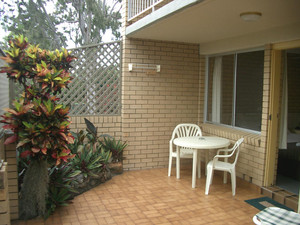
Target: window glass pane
[(209, 89), (220, 89), (227, 89), (249, 89)]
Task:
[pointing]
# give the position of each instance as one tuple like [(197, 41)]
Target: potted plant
[(116, 148)]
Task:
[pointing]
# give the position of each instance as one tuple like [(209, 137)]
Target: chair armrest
[(223, 150), (224, 156), (221, 156)]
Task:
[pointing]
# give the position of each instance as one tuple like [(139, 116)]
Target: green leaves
[(115, 147), (28, 125), (82, 22), (87, 161), (48, 70), (62, 182), (40, 125), (49, 105)]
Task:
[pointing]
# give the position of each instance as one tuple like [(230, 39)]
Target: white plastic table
[(198, 143)]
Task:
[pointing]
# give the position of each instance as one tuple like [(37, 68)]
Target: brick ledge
[(231, 133)]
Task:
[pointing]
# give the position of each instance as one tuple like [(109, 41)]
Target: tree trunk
[(34, 190)]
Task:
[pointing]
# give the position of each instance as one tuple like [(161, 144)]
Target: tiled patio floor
[(151, 197)]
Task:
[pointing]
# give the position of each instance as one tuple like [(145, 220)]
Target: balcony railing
[(139, 7)]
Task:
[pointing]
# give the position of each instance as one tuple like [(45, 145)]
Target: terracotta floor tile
[(151, 197), (76, 223)]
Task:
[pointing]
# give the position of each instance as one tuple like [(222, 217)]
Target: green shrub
[(61, 186), (89, 161), (40, 125), (115, 147)]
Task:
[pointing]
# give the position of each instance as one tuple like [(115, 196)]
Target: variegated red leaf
[(11, 139)]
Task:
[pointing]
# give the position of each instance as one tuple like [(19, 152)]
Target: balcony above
[(210, 21), (140, 8), (143, 12)]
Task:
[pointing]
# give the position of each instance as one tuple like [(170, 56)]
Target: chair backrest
[(186, 130), (236, 149)]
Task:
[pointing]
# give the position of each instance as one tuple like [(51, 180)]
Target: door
[(273, 120)]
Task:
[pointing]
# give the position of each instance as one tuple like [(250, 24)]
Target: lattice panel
[(96, 84)]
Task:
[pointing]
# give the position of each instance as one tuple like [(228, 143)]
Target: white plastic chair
[(215, 164), (183, 130)]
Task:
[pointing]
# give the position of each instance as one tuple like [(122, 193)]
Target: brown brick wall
[(251, 158), (4, 196), (154, 103), (105, 124), (8, 153)]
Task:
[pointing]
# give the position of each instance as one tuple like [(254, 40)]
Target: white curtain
[(216, 90), (284, 110)]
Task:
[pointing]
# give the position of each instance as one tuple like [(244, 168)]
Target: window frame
[(235, 53)]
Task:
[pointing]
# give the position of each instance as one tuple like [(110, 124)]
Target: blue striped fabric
[(278, 216)]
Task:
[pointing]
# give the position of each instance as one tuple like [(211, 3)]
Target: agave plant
[(89, 161), (61, 186), (115, 147)]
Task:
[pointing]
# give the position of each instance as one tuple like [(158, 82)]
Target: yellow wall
[(153, 104)]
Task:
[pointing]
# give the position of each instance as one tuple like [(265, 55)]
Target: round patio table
[(198, 143)]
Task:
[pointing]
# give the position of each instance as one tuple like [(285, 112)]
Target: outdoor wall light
[(250, 16)]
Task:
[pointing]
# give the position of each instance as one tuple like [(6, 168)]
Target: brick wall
[(8, 153), (105, 124), (251, 158), (265, 108), (4, 197), (154, 103)]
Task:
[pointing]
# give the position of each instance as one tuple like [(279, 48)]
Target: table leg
[(206, 160), (199, 164), (177, 162), (195, 156)]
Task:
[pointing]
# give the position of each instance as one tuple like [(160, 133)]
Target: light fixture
[(250, 16)]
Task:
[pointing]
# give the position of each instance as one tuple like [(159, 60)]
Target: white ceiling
[(213, 20)]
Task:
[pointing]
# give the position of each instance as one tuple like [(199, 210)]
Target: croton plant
[(40, 125)]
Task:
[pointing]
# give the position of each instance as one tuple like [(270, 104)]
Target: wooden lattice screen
[(96, 84)]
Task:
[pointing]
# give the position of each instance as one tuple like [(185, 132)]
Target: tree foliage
[(55, 24), (40, 125)]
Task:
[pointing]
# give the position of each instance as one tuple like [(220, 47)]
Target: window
[(235, 88)]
